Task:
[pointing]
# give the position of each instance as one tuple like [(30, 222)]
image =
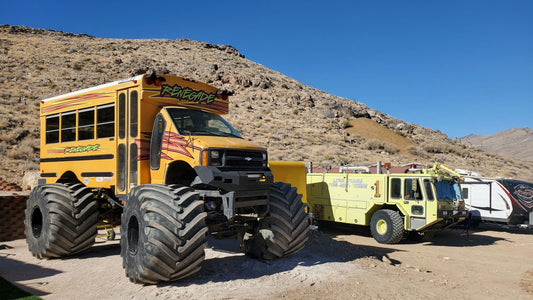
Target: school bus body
[(113, 150)]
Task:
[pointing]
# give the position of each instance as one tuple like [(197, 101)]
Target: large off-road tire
[(284, 231), (60, 220), (387, 226), (163, 233)]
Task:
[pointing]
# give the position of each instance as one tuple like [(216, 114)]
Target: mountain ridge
[(514, 142)]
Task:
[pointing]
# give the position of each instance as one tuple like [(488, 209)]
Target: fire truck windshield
[(447, 191)]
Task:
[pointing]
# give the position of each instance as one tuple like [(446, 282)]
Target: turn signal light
[(205, 158)]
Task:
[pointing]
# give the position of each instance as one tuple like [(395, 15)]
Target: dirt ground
[(491, 262)]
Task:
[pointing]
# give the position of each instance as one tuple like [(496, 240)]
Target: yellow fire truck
[(154, 154), (391, 204)]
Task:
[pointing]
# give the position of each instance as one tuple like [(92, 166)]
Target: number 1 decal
[(377, 189)]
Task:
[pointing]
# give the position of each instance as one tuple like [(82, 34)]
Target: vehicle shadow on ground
[(21, 271), (462, 238), (229, 263), (458, 236), (503, 228)]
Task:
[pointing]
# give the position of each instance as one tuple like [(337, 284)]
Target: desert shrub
[(400, 133), (295, 111), (417, 151), (342, 161), (390, 148), (372, 144), (440, 158), (7, 136), (3, 148), (346, 123), (439, 148)]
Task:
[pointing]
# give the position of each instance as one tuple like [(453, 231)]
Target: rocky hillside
[(294, 121), (512, 142)]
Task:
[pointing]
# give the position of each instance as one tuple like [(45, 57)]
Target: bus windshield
[(196, 122), (448, 191)]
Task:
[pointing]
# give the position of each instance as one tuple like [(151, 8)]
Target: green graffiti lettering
[(187, 94), (166, 89), (80, 149)]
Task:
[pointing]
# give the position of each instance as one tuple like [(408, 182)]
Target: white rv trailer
[(498, 200)]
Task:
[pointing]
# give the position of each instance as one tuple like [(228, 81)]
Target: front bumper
[(242, 192)]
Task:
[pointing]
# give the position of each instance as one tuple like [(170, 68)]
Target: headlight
[(265, 160), (211, 158)]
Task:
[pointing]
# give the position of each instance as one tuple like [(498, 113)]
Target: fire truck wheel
[(60, 220), (386, 226), (163, 233), (284, 231)]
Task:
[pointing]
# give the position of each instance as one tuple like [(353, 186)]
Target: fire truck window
[(396, 188), (68, 126), (133, 113), (105, 121), (412, 190), (122, 116), (86, 124), (429, 191), (52, 129)]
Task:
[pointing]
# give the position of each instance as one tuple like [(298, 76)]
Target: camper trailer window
[(465, 193)]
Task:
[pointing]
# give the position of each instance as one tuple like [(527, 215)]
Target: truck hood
[(204, 142)]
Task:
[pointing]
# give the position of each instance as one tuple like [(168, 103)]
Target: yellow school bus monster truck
[(154, 153)]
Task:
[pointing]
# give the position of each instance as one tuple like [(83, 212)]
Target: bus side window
[(52, 129), (396, 188), (86, 124), (429, 191), (68, 126), (105, 121)]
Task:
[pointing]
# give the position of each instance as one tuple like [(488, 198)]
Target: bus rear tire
[(163, 233), (387, 226), (60, 220)]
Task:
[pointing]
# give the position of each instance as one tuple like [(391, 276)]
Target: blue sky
[(460, 67)]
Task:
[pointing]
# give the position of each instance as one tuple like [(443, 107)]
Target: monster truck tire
[(163, 233), (386, 226), (284, 231), (60, 220)]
